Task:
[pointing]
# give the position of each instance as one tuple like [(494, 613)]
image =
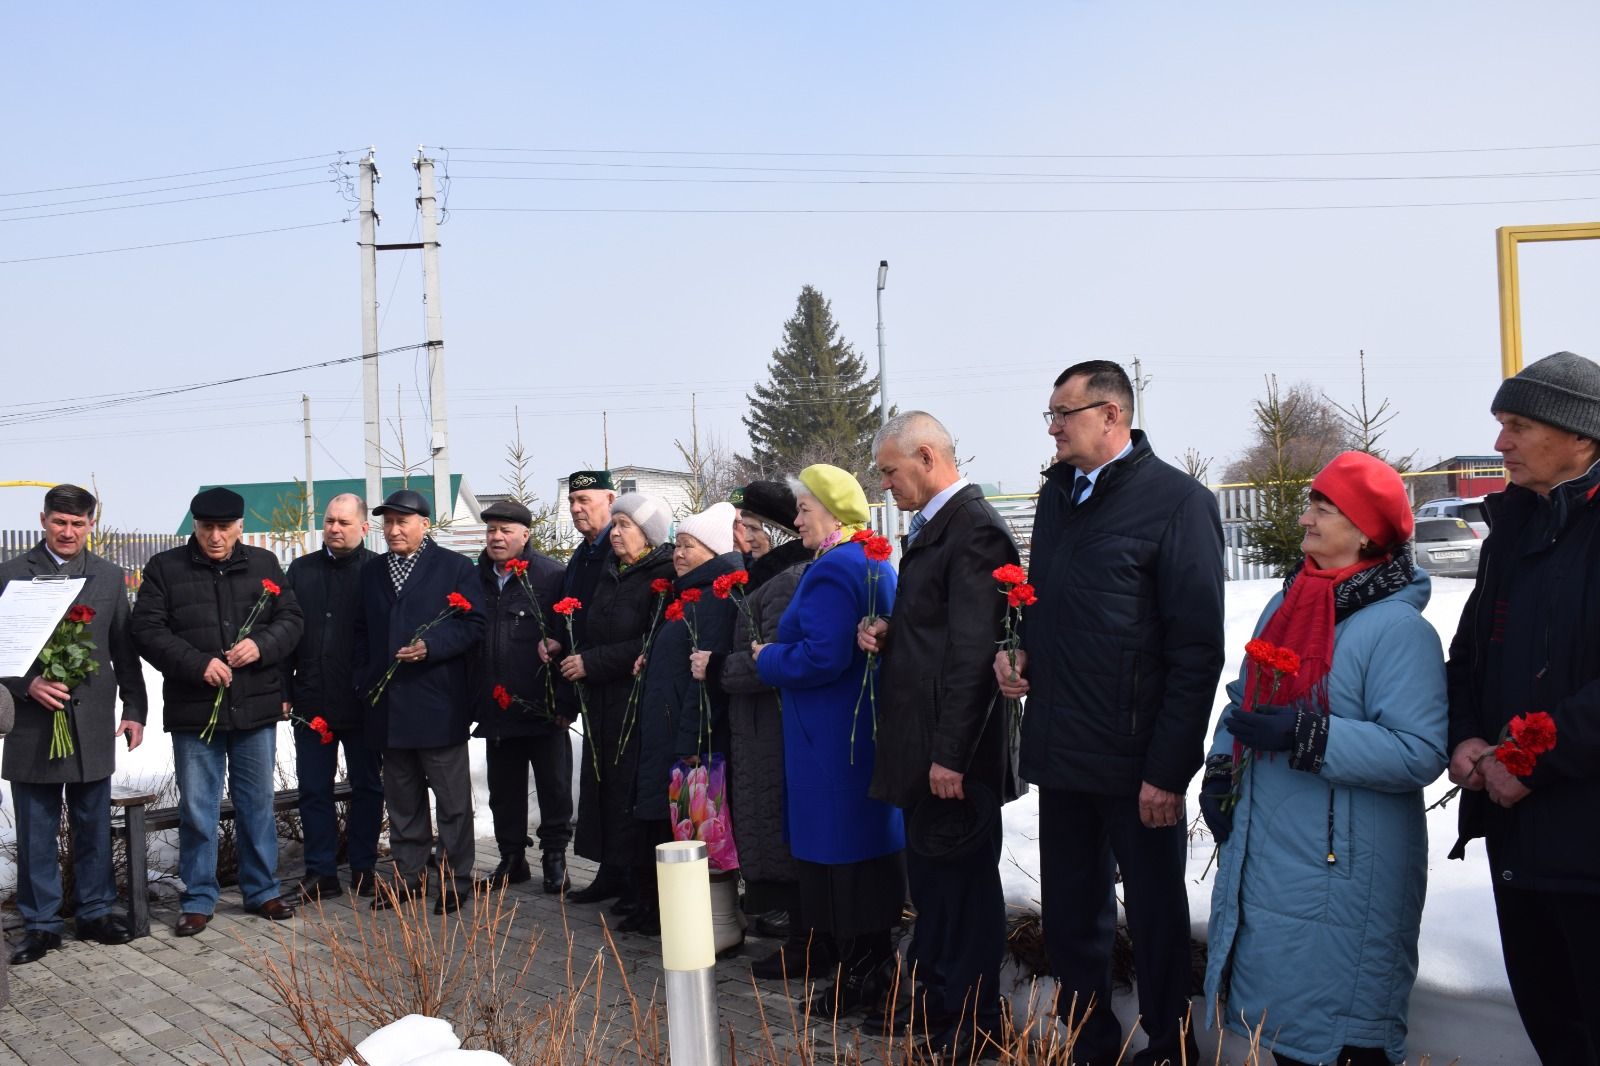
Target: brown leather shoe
[(273, 910), (190, 924)]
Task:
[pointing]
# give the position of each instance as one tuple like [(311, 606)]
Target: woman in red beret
[(1313, 787)]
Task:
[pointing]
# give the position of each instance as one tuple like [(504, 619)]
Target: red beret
[(1369, 493)]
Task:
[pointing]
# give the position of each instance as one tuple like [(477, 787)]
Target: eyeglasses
[(1056, 418)]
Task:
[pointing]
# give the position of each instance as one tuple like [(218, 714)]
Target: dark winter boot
[(513, 870)]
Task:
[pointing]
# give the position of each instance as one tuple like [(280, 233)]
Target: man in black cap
[(327, 585), (590, 494), (419, 717), (943, 737), (81, 780), (1529, 640), (222, 696), (510, 683)]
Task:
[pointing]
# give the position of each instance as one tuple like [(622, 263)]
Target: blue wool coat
[(818, 668), (1328, 950)]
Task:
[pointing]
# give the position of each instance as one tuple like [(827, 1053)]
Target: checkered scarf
[(400, 567)]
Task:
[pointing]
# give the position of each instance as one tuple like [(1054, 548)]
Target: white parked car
[(1469, 509)]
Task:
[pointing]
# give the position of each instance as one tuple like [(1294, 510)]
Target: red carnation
[(878, 549), (860, 535), (566, 606), (675, 611), (327, 736), (270, 586), (517, 566), (318, 724), (1021, 596), (1286, 660), (458, 601), (1534, 733), (1262, 651), (689, 596), (661, 586), (1514, 759), (502, 697), (1010, 574), (81, 613)]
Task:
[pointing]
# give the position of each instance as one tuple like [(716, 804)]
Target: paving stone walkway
[(163, 1000)]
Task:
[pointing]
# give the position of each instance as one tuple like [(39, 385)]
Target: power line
[(81, 405), (164, 203), (166, 188), (1015, 210), (180, 174), (1036, 155), (1024, 183), (172, 244)]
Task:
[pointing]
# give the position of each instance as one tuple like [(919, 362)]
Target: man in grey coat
[(38, 781)]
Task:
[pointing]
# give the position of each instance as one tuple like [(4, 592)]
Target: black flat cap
[(770, 500), (580, 480), (217, 505), (508, 511), (404, 502), (950, 830)]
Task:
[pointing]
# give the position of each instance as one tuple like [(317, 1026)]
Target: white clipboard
[(29, 613)]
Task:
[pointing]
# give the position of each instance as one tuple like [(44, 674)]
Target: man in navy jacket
[(420, 713)]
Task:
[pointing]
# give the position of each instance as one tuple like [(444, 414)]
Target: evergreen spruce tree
[(818, 404)]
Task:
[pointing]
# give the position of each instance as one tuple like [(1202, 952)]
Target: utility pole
[(435, 336), (605, 437), (891, 521), (370, 427), (311, 486), (694, 440), (1139, 382)]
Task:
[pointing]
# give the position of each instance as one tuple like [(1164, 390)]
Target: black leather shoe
[(449, 902), (645, 920), (774, 924), (555, 872), (106, 929), (606, 885), (797, 959), (313, 888), (392, 895), (364, 883), (858, 989), (34, 946), (513, 870)]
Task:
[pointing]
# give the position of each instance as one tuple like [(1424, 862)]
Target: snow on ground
[(1461, 1006)]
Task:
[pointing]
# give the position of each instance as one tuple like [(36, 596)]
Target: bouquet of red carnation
[(269, 591), (1019, 594), (519, 568), (1278, 663), (68, 659), (723, 589), (566, 608), (878, 551), (1522, 741), (662, 587), (685, 598), (318, 725), (452, 603)]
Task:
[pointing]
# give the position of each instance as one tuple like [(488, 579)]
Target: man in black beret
[(590, 494), (510, 684), (222, 696)]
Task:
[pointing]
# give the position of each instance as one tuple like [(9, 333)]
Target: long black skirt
[(854, 898)]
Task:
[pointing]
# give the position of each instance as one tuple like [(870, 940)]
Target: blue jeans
[(316, 765), (38, 855), (247, 757)]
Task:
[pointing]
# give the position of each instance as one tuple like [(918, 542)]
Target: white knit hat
[(712, 527)]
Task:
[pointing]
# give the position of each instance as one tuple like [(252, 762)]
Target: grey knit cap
[(1561, 390), (652, 516)]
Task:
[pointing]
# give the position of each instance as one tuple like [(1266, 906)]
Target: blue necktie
[(1079, 487), (918, 520)]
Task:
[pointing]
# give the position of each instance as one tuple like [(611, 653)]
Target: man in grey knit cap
[(1529, 640)]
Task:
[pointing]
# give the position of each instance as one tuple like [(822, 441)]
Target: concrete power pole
[(1139, 382), (311, 486), (370, 430), (435, 336)]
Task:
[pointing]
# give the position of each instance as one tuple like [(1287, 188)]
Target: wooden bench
[(134, 819)]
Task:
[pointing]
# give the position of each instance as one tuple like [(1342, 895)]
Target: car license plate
[(1449, 556)]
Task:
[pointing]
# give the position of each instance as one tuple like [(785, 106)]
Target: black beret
[(580, 480), (217, 505), (508, 511), (404, 501), (772, 501)]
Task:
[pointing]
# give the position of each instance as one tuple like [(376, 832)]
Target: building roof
[(262, 498)]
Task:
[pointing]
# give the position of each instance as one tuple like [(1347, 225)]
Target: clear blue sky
[(566, 314)]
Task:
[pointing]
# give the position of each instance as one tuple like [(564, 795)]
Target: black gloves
[(1263, 729), (1216, 797)]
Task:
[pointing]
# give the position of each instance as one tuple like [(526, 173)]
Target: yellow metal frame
[(1506, 239)]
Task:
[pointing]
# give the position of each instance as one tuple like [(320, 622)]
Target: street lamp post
[(891, 522)]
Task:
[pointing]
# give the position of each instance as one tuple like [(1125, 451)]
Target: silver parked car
[(1447, 547), (1469, 509)]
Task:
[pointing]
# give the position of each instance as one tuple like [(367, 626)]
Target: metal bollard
[(688, 952)]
